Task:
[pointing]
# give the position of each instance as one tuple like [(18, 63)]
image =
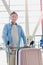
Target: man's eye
[(14, 17)]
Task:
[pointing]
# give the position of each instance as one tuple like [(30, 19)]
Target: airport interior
[(28, 15)]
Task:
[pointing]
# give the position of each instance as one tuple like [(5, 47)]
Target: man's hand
[(26, 46), (11, 47)]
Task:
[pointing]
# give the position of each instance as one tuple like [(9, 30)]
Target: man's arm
[(5, 35), (23, 36)]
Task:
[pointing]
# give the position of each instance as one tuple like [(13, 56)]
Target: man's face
[(14, 17)]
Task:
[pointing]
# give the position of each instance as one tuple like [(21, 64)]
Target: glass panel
[(4, 14), (21, 14), (34, 15), (3, 60), (34, 5), (4, 17), (39, 30), (4, 20), (1, 3), (19, 8), (21, 20), (37, 41), (16, 2), (2, 8)]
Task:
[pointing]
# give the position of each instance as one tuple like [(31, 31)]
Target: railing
[(36, 38)]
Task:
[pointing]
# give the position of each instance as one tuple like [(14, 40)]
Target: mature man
[(12, 34)]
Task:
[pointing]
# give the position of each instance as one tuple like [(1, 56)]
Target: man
[(12, 34)]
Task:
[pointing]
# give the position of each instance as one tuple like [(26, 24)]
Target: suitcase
[(29, 56)]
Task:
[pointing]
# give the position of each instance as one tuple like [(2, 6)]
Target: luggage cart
[(28, 56)]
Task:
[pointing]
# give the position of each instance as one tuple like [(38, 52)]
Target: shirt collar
[(14, 24)]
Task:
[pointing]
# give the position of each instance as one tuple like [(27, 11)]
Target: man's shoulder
[(19, 26), (8, 24)]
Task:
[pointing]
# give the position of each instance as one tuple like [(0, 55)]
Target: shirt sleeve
[(5, 35), (23, 36)]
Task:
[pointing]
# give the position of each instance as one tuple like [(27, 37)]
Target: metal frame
[(6, 6)]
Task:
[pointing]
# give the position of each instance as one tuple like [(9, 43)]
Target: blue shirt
[(7, 34)]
